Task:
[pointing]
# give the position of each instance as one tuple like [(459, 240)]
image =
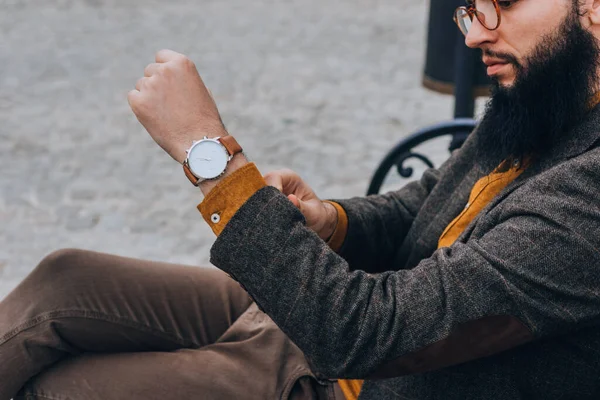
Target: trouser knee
[(51, 278), (58, 263)]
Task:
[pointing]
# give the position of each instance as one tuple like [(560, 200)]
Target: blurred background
[(323, 88)]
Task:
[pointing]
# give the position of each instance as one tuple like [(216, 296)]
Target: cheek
[(530, 22), (522, 41)]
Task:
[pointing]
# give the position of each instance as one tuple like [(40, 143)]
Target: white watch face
[(208, 159)]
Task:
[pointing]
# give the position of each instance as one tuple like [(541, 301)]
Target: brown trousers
[(85, 325)]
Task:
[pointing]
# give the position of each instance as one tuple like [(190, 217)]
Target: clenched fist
[(173, 104)]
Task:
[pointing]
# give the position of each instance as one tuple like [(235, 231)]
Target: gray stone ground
[(324, 88)]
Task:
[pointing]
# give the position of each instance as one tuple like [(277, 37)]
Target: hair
[(578, 6)]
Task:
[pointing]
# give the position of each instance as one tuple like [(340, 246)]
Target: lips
[(494, 69), (494, 65)]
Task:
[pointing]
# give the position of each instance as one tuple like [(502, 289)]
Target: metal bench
[(403, 151)]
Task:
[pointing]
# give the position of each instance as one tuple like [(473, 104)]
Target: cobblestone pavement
[(324, 88)]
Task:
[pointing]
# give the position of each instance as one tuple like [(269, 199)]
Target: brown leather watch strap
[(186, 170), (230, 144)]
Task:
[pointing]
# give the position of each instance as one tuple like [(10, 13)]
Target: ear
[(593, 8)]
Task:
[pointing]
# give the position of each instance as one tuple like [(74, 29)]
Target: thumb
[(296, 201)]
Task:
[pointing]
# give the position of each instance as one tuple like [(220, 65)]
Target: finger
[(274, 179), (139, 85), (151, 69), (289, 180), (167, 55)]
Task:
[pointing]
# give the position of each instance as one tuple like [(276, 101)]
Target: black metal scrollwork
[(403, 150), (407, 172)]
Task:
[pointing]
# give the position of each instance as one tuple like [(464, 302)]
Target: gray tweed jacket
[(510, 311)]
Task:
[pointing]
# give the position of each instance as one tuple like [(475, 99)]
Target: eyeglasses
[(487, 13)]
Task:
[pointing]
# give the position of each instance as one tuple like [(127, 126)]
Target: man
[(480, 281)]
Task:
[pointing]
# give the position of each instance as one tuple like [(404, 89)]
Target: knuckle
[(137, 101), (166, 70), (151, 81), (141, 83), (187, 62)]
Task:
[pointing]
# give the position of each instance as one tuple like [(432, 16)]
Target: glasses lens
[(487, 13), (463, 20)]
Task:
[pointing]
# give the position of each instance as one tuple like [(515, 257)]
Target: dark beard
[(549, 96)]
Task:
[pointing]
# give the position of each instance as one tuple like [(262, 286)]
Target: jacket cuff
[(221, 204), (253, 237)]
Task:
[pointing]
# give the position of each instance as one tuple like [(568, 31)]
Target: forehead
[(536, 3), (533, 11)]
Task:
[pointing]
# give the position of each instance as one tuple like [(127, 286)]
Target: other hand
[(320, 216), (173, 104)]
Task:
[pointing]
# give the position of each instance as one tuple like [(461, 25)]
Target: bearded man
[(480, 281)]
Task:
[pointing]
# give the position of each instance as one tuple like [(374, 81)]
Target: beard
[(549, 96)]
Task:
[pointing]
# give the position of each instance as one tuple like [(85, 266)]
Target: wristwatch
[(207, 159)]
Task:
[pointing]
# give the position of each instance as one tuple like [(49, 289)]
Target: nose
[(478, 35)]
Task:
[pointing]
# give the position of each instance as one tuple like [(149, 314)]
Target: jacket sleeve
[(378, 223), (532, 273)]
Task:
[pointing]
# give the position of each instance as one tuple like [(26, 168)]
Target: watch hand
[(204, 159)]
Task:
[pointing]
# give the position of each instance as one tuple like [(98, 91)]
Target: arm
[(371, 229), (175, 107), (528, 277)]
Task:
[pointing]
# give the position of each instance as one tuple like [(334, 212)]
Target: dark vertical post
[(464, 79), (464, 85)]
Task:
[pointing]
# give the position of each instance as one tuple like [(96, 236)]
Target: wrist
[(198, 151), (237, 162), (331, 221), (180, 149)]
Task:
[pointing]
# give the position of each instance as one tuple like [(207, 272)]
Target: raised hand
[(173, 104)]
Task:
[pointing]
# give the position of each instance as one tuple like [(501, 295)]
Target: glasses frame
[(472, 12)]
